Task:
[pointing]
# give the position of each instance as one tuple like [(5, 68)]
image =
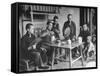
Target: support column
[(31, 12)]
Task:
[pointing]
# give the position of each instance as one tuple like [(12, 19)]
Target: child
[(89, 49)]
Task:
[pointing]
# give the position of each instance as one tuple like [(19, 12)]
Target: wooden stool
[(27, 63)]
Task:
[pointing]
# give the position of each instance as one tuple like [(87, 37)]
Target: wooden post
[(88, 16), (84, 15), (91, 21), (31, 12)]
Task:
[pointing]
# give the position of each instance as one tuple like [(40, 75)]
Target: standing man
[(29, 50), (55, 28), (69, 28), (56, 31), (69, 31)]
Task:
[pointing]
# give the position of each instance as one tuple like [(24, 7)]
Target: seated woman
[(29, 51)]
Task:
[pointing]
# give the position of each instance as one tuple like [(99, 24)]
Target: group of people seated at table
[(35, 48)]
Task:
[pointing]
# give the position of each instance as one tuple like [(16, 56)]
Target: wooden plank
[(76, 59)]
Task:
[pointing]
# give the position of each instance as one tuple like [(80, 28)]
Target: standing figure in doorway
[(69, 31), (69, 28)]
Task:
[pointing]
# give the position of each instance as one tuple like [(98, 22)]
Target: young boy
[(89, 49)]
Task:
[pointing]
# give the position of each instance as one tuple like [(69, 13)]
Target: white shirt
[(91, 47)]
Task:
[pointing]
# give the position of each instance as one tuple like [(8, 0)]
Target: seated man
[(29, 50), (84, 33), (47, 38), (89, 49)]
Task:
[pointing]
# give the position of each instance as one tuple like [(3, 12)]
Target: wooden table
[(66, 47)]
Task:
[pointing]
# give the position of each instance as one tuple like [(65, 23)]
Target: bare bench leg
[(70, 58), (53, 58), (27, 65), (82, 56)]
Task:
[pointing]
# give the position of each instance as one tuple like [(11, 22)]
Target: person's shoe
[(55, 62), (44, 67), (49, 63)]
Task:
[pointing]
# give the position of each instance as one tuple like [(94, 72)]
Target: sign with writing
[(41, 8), (46, 9)]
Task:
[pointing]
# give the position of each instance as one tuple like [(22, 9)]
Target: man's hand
[(43, 49), (34, 46), (57, 31), (29, 48), (52, 32)]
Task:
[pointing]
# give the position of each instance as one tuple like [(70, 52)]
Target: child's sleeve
[(91, 48)]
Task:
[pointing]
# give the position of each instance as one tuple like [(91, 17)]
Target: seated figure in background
[(84, 33)]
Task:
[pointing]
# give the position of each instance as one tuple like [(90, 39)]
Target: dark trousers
[(49, 52), (38, 57)]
